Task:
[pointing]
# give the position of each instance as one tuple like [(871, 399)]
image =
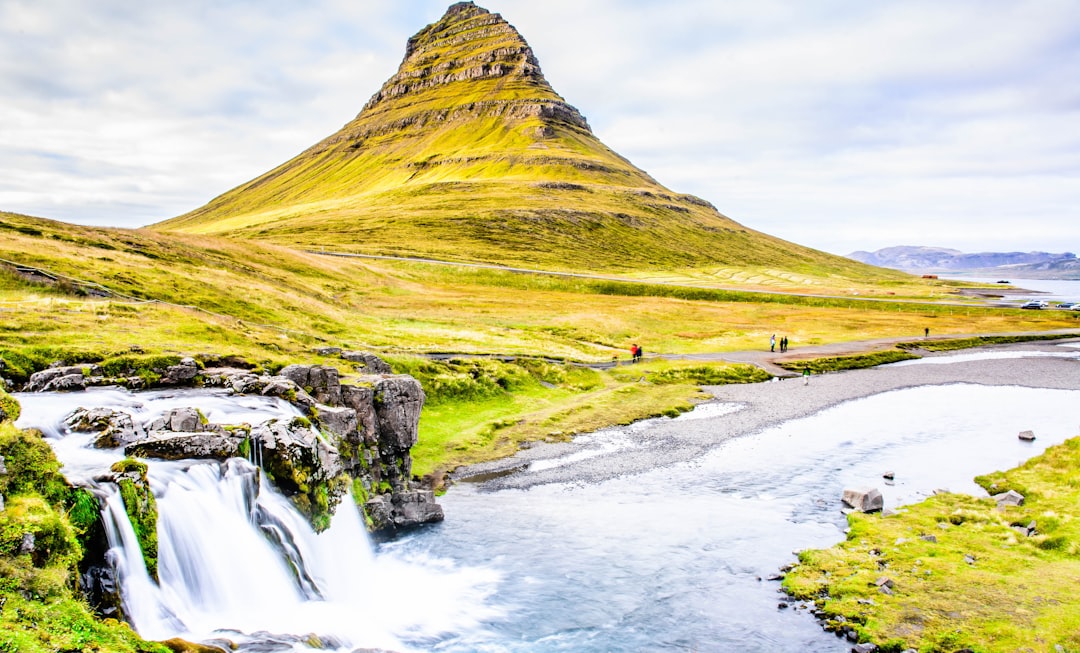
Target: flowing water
[(670, 560)]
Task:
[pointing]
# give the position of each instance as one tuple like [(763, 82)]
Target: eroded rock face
[(398, 401), (57, 379), (320, 382)]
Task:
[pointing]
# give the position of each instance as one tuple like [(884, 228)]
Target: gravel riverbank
[(646, 445)]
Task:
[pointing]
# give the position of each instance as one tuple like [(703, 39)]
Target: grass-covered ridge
[(978, 584)]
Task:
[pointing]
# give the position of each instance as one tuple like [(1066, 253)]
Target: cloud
[(837, 124)]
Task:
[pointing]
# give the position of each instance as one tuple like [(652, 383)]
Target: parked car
[(1036, 304), (1068, 306)]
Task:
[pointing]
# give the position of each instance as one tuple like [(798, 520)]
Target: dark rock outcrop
[(181, 446)]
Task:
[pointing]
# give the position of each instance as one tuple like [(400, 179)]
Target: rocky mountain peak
[(444, 60)]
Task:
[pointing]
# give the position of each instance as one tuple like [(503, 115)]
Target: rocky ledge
[(355, 435)]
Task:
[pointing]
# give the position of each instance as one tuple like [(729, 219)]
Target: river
[(675, 558), (1053, 290)]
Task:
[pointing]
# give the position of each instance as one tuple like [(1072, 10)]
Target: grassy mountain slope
[(467, 153), (258, 299)]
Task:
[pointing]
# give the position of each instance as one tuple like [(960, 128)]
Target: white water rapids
[(237, 562), (670, 559)]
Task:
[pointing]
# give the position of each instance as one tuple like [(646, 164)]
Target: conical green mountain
[(468, 154)]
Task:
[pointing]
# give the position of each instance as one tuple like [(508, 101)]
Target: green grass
[(840, 363), (979, 341), (981, 585), (39, 612)]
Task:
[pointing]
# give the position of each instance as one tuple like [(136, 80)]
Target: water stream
[(673, 559)]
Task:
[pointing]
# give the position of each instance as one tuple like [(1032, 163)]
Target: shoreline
[(761, 405)]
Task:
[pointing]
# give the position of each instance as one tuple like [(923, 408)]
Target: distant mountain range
[(940, 259)]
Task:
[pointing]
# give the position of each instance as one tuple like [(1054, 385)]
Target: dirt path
[(767, 360)]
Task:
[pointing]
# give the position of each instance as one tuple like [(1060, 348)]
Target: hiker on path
[(640, 353), (926, 332), (772, 342), (806, 376), (633, 353), (783, 344)]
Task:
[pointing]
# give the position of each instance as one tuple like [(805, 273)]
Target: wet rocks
[(863, 499), (181, 446), (392, 513), (180, 374), (115, 428), (57, 379)]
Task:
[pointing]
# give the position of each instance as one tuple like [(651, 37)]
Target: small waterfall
[(237, 561)]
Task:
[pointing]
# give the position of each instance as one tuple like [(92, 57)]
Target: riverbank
[(751, 408), (956, 572)]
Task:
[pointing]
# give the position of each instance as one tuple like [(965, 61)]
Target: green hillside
[(467, 153)]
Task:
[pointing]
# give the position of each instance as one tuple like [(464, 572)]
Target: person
[(783, 344), (806, 376), (926, 332), (772, 342), (640, 353), (634, 353)]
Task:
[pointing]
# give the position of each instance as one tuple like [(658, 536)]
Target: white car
[(1036, 304)]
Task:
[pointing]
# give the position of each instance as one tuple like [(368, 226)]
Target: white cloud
[(838, 124)]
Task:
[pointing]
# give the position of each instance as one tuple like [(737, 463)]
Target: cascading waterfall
[(238, 562)]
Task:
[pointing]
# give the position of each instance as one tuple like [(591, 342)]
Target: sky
[(839, 124)]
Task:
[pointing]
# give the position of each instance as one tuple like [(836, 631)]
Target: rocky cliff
[(352, 436)]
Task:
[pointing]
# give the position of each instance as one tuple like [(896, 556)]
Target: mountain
[(467, 153), (940, 259)]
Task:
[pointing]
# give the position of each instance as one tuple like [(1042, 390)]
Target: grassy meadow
[(175, 294), (978, 584)]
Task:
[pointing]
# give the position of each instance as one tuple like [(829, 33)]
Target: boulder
[(115, 428), (66, 383), (1010, 498), (39, 381), (402, 510), (372, 364), (245, 382), (182, 373), (178, 446), (864, 499), (1027, 436), (328, 351), (178, 420)]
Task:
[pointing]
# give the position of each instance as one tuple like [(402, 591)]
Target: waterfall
[(238, 562)]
